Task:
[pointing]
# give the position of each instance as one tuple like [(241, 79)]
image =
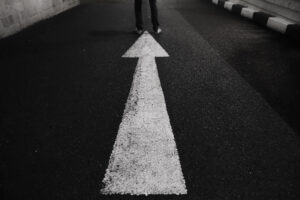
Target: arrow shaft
[(145, 159), (145, 89)]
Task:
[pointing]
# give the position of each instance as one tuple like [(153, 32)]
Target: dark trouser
[(139, 15)]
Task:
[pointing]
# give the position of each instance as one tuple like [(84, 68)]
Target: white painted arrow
[(144, 159)]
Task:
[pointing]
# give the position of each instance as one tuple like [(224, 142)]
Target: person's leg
[(138, 14), (154, 16)]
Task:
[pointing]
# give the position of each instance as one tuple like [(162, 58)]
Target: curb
[(264, 19)]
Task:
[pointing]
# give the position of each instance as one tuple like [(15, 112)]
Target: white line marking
[(144, 159)]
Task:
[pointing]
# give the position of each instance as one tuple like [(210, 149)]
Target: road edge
[(275, 23)]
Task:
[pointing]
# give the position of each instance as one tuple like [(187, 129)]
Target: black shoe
[(139, 31), (157, 30)]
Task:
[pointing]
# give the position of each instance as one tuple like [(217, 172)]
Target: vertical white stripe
[(215, 1), (278, 24), (248, 13), (228, 5)]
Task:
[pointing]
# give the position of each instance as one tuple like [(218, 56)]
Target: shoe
[(139, 31), (158, 30)]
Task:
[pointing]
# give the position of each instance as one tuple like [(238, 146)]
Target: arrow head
[(145, 46)]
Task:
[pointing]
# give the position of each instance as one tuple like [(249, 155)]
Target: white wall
[(18, 14), (288, 9)]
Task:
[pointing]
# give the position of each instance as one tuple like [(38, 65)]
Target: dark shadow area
[(109, 33), (21, 45), (267, 60)]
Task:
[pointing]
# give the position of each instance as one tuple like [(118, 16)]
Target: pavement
[(231, 90)]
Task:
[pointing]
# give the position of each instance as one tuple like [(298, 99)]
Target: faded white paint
[(278, 24), (248, 12), (215, 1), (228, 5), (144, 159)]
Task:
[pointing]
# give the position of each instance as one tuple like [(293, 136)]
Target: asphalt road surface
[(231, 89)]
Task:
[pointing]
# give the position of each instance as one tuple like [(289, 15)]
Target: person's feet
[(139, 31), (157, 30)]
